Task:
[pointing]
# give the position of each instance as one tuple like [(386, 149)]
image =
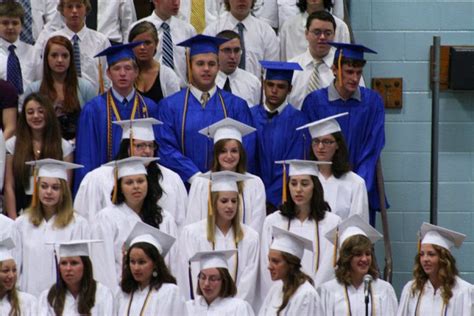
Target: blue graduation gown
[(363, 130), (91, 139), (197, 154), (278, 139)]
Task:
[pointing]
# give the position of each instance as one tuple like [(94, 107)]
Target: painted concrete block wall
[(402, 32)]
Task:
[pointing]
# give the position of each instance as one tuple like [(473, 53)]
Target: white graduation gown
[(166, 301), (28, 305), (253, 211), (307, 228), (104, 303), (334, 301), (193, 238), (431, 302), (113, 224), (38, 267), (305, 301), (96, 188), (347, 195), (228, 306)]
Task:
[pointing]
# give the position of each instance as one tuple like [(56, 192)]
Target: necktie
[(204, 99), (315, 80), (14, 70), (227, 85), (240, 28), (198, 15), (271, 114), (27, 31), (124, 102), (77, 54), (167, 46), (91, 18)]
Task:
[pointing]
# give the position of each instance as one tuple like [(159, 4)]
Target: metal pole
[(434, 130)]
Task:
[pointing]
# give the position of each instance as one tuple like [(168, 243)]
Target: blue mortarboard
[(351, 51), (279, 70), (202, 44), (118, 52)]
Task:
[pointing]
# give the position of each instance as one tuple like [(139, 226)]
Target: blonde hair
[(236, 221), (64, 208), (12, 297)]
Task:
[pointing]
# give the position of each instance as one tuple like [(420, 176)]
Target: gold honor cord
[(185, 111), (316, 236), (348, 301), (418, 303), (144, 303)]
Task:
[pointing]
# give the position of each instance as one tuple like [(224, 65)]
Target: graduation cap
[(324, 126), (202, 44), (443, 237), (116, 53), (227, 129), (224, 181), (213, 259), (279, 70), (290, 242), (5, 246), (350, 51), (142, 232), (130, 166), (75, 248), (52, 168), (141, 129)]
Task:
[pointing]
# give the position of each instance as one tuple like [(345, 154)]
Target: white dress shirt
[(243, 84), (25, 54), (42, 11), (261, 42), (293, 40), (114, 18)]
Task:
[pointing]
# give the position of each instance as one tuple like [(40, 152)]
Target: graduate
[(147, 286), (76, 291), (134, 200), (12, 301), (363, 128), (222, 230), (294, 293), (276, 121), (345, 295), (138, 139), (436, 288), (216, 288), (229, 155), (182, 148), (306, 213), (98, 140), (344, 190), (50, 218)]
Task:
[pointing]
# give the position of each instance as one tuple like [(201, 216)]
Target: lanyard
[(144, 303)]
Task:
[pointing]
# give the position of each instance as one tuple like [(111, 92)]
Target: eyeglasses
[(143, 146), (325, 142), (211, 278), (318, 32), (229, 50)]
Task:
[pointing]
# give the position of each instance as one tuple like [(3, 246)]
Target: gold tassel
[(188, 64), (339, 69), (101, 79), (209, 200), (114, 193), (336, 240), (418, 244), (284, 195), (34, 199)]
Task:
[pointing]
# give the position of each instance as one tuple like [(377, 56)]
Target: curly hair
[(351, 247), (340, 160), (317, 204), (447, 273), (228, 287)]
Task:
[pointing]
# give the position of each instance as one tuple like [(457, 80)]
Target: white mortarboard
[(142, 129), (5, 246), (75, 248), (224, 181), (131, 166), (227, 129), (303, 167), (290, 242), (213, 259), (351, 226), (324, 126), (53, 168), (436, 235), (142, 232)]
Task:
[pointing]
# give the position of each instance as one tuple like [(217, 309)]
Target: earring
[(155, 274)]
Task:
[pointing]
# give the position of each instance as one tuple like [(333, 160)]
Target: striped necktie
[(240, 28), (315, 80), (198, 15), (14, 70), (167, 46), (204, 98), (77, 54), (27, 23)]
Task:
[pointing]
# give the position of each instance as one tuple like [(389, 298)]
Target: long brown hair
[(447, 273), (71, 100), (340, 160), (12, 297), (86, 298), (219, 146), (50, 143), (294, 279)]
